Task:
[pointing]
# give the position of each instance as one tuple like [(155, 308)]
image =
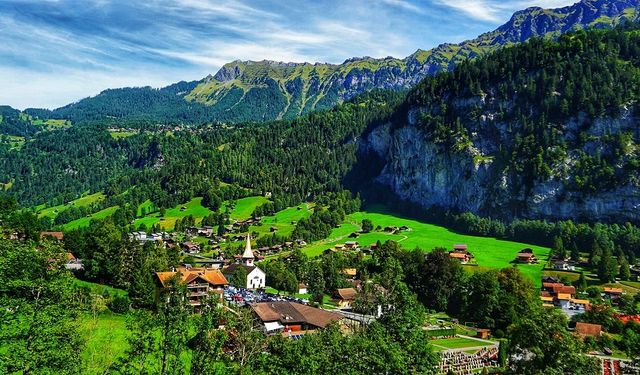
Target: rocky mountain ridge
[(298, 88)]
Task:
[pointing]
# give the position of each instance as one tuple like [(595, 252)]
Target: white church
[(256, 278)]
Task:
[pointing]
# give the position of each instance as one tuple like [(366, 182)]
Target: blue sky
[(53, 52)]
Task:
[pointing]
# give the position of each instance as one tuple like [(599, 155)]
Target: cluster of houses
[(189, 246), (255, 279), (555, 294)]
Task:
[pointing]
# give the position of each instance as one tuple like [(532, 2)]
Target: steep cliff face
[(547, 129), (422, 171)]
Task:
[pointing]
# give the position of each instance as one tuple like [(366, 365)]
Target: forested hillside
[(546, 130), (294, 160)]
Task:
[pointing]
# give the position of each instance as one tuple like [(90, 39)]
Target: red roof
[(564, 289), (613, 290), (56, 235), (213, 277), (346, 294), (588, 329)]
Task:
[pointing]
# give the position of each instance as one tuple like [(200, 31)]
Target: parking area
[(241, 296)]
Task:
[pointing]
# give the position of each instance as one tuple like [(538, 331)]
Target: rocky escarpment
[(419, 170)]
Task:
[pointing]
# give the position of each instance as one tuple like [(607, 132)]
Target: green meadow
[(83, 201), (85, 221), (105, 337), (167, 222), (242, 210), (283, 220), (457, 343), (488, 252), (244, 207), (121, 134)]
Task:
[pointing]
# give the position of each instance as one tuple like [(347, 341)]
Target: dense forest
[(294, 160)]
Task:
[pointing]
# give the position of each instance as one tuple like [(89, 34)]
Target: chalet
[(354, 235), (555, 294), (200, 282), (526, 256), (612, 293), (256, 278), (301, 242), (461, 257), (563, 266), (73, 264), (547, 301), (351, 244), (282, 317), (190, 247), (59, 236), (588, 329), (273, 229), (483, 333), (288, 244), (564, 289), (302, 288), (460, 248), (344, 297), (138, 236), (349, 272), (205, 231), (339, 246)]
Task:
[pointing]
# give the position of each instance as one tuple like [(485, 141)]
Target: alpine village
[(469, 209)]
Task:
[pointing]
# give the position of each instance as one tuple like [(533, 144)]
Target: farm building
[(292, 317), (526, 256), (588, 329), (344, 297)]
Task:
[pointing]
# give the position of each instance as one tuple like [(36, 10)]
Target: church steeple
[(247, 256)]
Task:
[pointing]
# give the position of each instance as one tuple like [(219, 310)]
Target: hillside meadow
[(488, 252)]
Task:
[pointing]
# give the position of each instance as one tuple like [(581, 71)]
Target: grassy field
[(105, 340), (15, 142), (457, 343), (241, 211), (118, 135), (283, 219), (84, 221), (84, 201), (244, 207), (489, 252), (194, 207), (100, 289), (147, 205)]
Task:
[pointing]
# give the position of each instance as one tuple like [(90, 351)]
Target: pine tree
[(558, 248), (624, 271), (581, 283)]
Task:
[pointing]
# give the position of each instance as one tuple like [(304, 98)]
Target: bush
[(120, 304)]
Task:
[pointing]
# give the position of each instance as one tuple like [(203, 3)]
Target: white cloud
[(496, 10), (404, 5)]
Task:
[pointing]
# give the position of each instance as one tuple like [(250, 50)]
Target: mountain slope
[(266, 90), (541, 130)]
